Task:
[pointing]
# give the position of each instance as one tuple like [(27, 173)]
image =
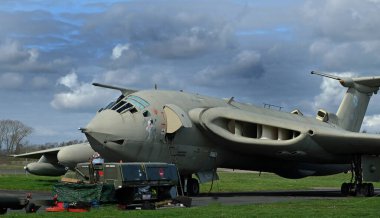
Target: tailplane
[(354, 105)]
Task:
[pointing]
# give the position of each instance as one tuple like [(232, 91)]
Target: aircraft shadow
[(296, 193)]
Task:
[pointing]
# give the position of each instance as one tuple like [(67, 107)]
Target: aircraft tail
[(354, 105)]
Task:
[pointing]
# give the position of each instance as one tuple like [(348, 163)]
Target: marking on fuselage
[(150, 129), (155, 111)]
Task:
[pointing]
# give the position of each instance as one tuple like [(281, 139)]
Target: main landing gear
[(191, 186), (356, 187)]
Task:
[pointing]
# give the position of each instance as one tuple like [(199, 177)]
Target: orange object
[(55, 209), (77, 210)]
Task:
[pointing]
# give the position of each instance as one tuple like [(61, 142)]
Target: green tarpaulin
[(71, 192)]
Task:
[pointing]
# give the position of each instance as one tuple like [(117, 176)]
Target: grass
[(229, 182), (27, 182), (11, 167)]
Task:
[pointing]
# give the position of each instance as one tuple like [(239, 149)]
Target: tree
[(12, 132)]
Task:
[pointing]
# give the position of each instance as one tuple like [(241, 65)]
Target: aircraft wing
[(344, 142), (280, 136), (38, 154)]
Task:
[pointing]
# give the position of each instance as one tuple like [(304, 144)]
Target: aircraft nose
[(107, 127)]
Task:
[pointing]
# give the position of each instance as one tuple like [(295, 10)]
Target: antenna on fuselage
[(230, 100)]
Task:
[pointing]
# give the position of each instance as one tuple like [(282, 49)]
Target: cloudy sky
[(258, 51)]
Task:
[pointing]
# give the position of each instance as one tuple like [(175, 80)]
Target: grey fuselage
[(140, 136)]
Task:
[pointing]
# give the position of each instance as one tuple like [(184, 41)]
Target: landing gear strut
[(356, 187)]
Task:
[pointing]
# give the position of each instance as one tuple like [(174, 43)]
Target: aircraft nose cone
[(106, 129), (108, 122)]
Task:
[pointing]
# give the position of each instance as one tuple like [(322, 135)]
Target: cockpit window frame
[(131, 103)]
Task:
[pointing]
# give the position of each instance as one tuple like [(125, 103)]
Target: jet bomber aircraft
[(200, 134)]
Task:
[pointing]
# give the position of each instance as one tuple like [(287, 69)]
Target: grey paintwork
[(56, 161)]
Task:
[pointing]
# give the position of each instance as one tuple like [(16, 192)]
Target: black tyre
[(30, 208), (364, 189), (371, 190), (345, 189), (192, 187)]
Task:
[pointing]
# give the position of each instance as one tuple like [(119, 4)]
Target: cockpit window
[(118, 105), (146, 114), (110, 105), (131, 103), (139, 100), (126, 106)]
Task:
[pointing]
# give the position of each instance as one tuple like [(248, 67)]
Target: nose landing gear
[(356, 187)]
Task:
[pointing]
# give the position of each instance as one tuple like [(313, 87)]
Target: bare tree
[(12, 132)]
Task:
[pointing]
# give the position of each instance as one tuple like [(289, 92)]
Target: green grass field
[(229, 182), (27, 182)]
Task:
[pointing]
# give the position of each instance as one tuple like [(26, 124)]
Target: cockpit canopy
[(130, 103)]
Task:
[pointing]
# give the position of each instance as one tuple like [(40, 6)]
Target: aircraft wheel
[(192, 187), (364, 189), (3, 210), (30, 208), (371, 190), (345, 189)]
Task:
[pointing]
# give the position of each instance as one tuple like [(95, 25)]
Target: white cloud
[(70, 80), (372, 123), (118, 50), (81, 96), (11, 52), (332, 93)]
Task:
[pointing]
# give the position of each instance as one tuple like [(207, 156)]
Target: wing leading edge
[(38, 154)]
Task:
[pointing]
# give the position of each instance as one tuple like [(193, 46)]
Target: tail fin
[(354, 105)]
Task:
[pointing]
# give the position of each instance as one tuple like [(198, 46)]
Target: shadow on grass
[(307, 193)]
